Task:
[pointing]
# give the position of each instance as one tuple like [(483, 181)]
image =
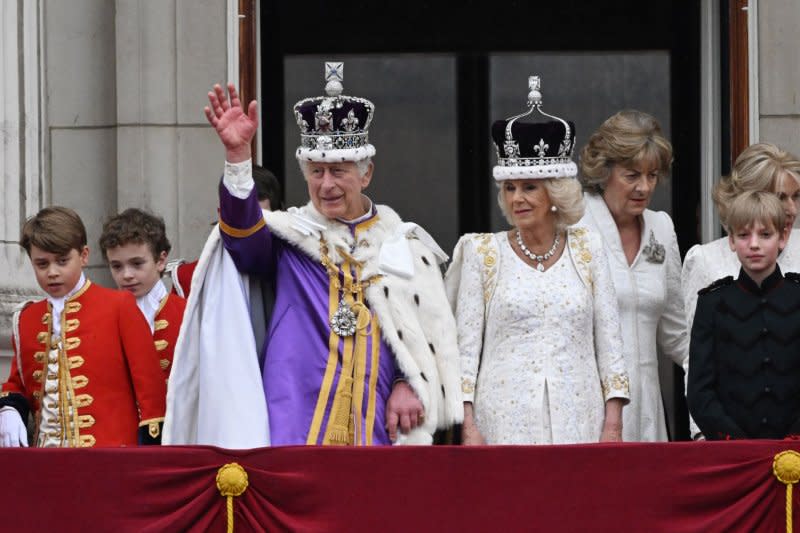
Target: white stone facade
[(778, 73), (101, 107)]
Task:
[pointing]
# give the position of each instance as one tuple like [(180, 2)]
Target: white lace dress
[(551, 353)]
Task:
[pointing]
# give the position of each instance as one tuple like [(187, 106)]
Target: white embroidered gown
[(539, 380)]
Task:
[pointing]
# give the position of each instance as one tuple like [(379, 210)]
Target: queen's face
[(527, 202), (788, 192)]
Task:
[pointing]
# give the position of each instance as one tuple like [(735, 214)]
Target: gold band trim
[(339, 428), (330, 369), (373, 380), (241, 233), (151, 421), (77, 295), (360, 370)]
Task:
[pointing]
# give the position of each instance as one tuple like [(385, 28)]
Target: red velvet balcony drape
[(676, 487)]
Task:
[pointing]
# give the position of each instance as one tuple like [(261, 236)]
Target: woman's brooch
[(654, 251)]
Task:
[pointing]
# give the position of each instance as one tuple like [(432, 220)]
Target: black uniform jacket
[(744, 358)]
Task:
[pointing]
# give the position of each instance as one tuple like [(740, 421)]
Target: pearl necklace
[(538, 258)]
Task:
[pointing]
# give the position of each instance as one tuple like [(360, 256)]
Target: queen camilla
[(538, 326)]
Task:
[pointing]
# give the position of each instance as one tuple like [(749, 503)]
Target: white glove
[(13, 432)]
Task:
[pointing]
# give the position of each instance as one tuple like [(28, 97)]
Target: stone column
[(169, 53), (778, 73)]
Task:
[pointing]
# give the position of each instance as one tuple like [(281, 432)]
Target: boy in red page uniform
[(135, 245), (84, 361)]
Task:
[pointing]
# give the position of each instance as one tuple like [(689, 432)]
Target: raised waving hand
[(234, 128)]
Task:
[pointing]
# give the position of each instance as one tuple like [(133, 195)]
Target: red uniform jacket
[(110, 383), (166, 326), (182, 278)]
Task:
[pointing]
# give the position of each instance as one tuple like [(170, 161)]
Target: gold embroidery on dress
[(579, 246), (484, 247), (467, 386), (616, 382)]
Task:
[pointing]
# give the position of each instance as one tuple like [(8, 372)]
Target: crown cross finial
[(535, 95), (334, 76)]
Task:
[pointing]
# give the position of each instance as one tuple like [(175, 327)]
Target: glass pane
[(413, 132)]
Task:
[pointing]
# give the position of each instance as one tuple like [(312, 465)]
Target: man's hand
[(403, 408), (234, 128), (13, 432)]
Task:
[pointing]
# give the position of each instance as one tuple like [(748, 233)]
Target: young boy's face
[(134, 268), (57, 274), (757, 247)]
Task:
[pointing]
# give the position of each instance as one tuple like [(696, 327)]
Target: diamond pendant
[(540, 267), (343, 321)]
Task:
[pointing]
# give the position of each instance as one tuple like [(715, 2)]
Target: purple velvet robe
[(297, 344)]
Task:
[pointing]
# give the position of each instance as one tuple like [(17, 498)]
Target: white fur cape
[(409, 301)]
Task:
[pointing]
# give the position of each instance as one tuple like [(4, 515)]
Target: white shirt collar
[(150, 303), (363, 217), (57, 304)]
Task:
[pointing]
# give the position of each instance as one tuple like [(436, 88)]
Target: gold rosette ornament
[(786, 468), (231, 481)]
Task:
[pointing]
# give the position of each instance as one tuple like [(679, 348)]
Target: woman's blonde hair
[(564, 193), (760, 167), (756, 206), (625, 138)]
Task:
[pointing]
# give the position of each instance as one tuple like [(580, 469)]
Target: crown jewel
[(334, 127), (527, 149)]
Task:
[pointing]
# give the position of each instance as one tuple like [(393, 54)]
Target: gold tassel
[(231, 482), (786, 468)]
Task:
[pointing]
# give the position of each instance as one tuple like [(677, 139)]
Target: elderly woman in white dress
[(760, 167), (538, 329), (621, 166)]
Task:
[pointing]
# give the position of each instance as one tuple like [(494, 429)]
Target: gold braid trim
[(241, 233)]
